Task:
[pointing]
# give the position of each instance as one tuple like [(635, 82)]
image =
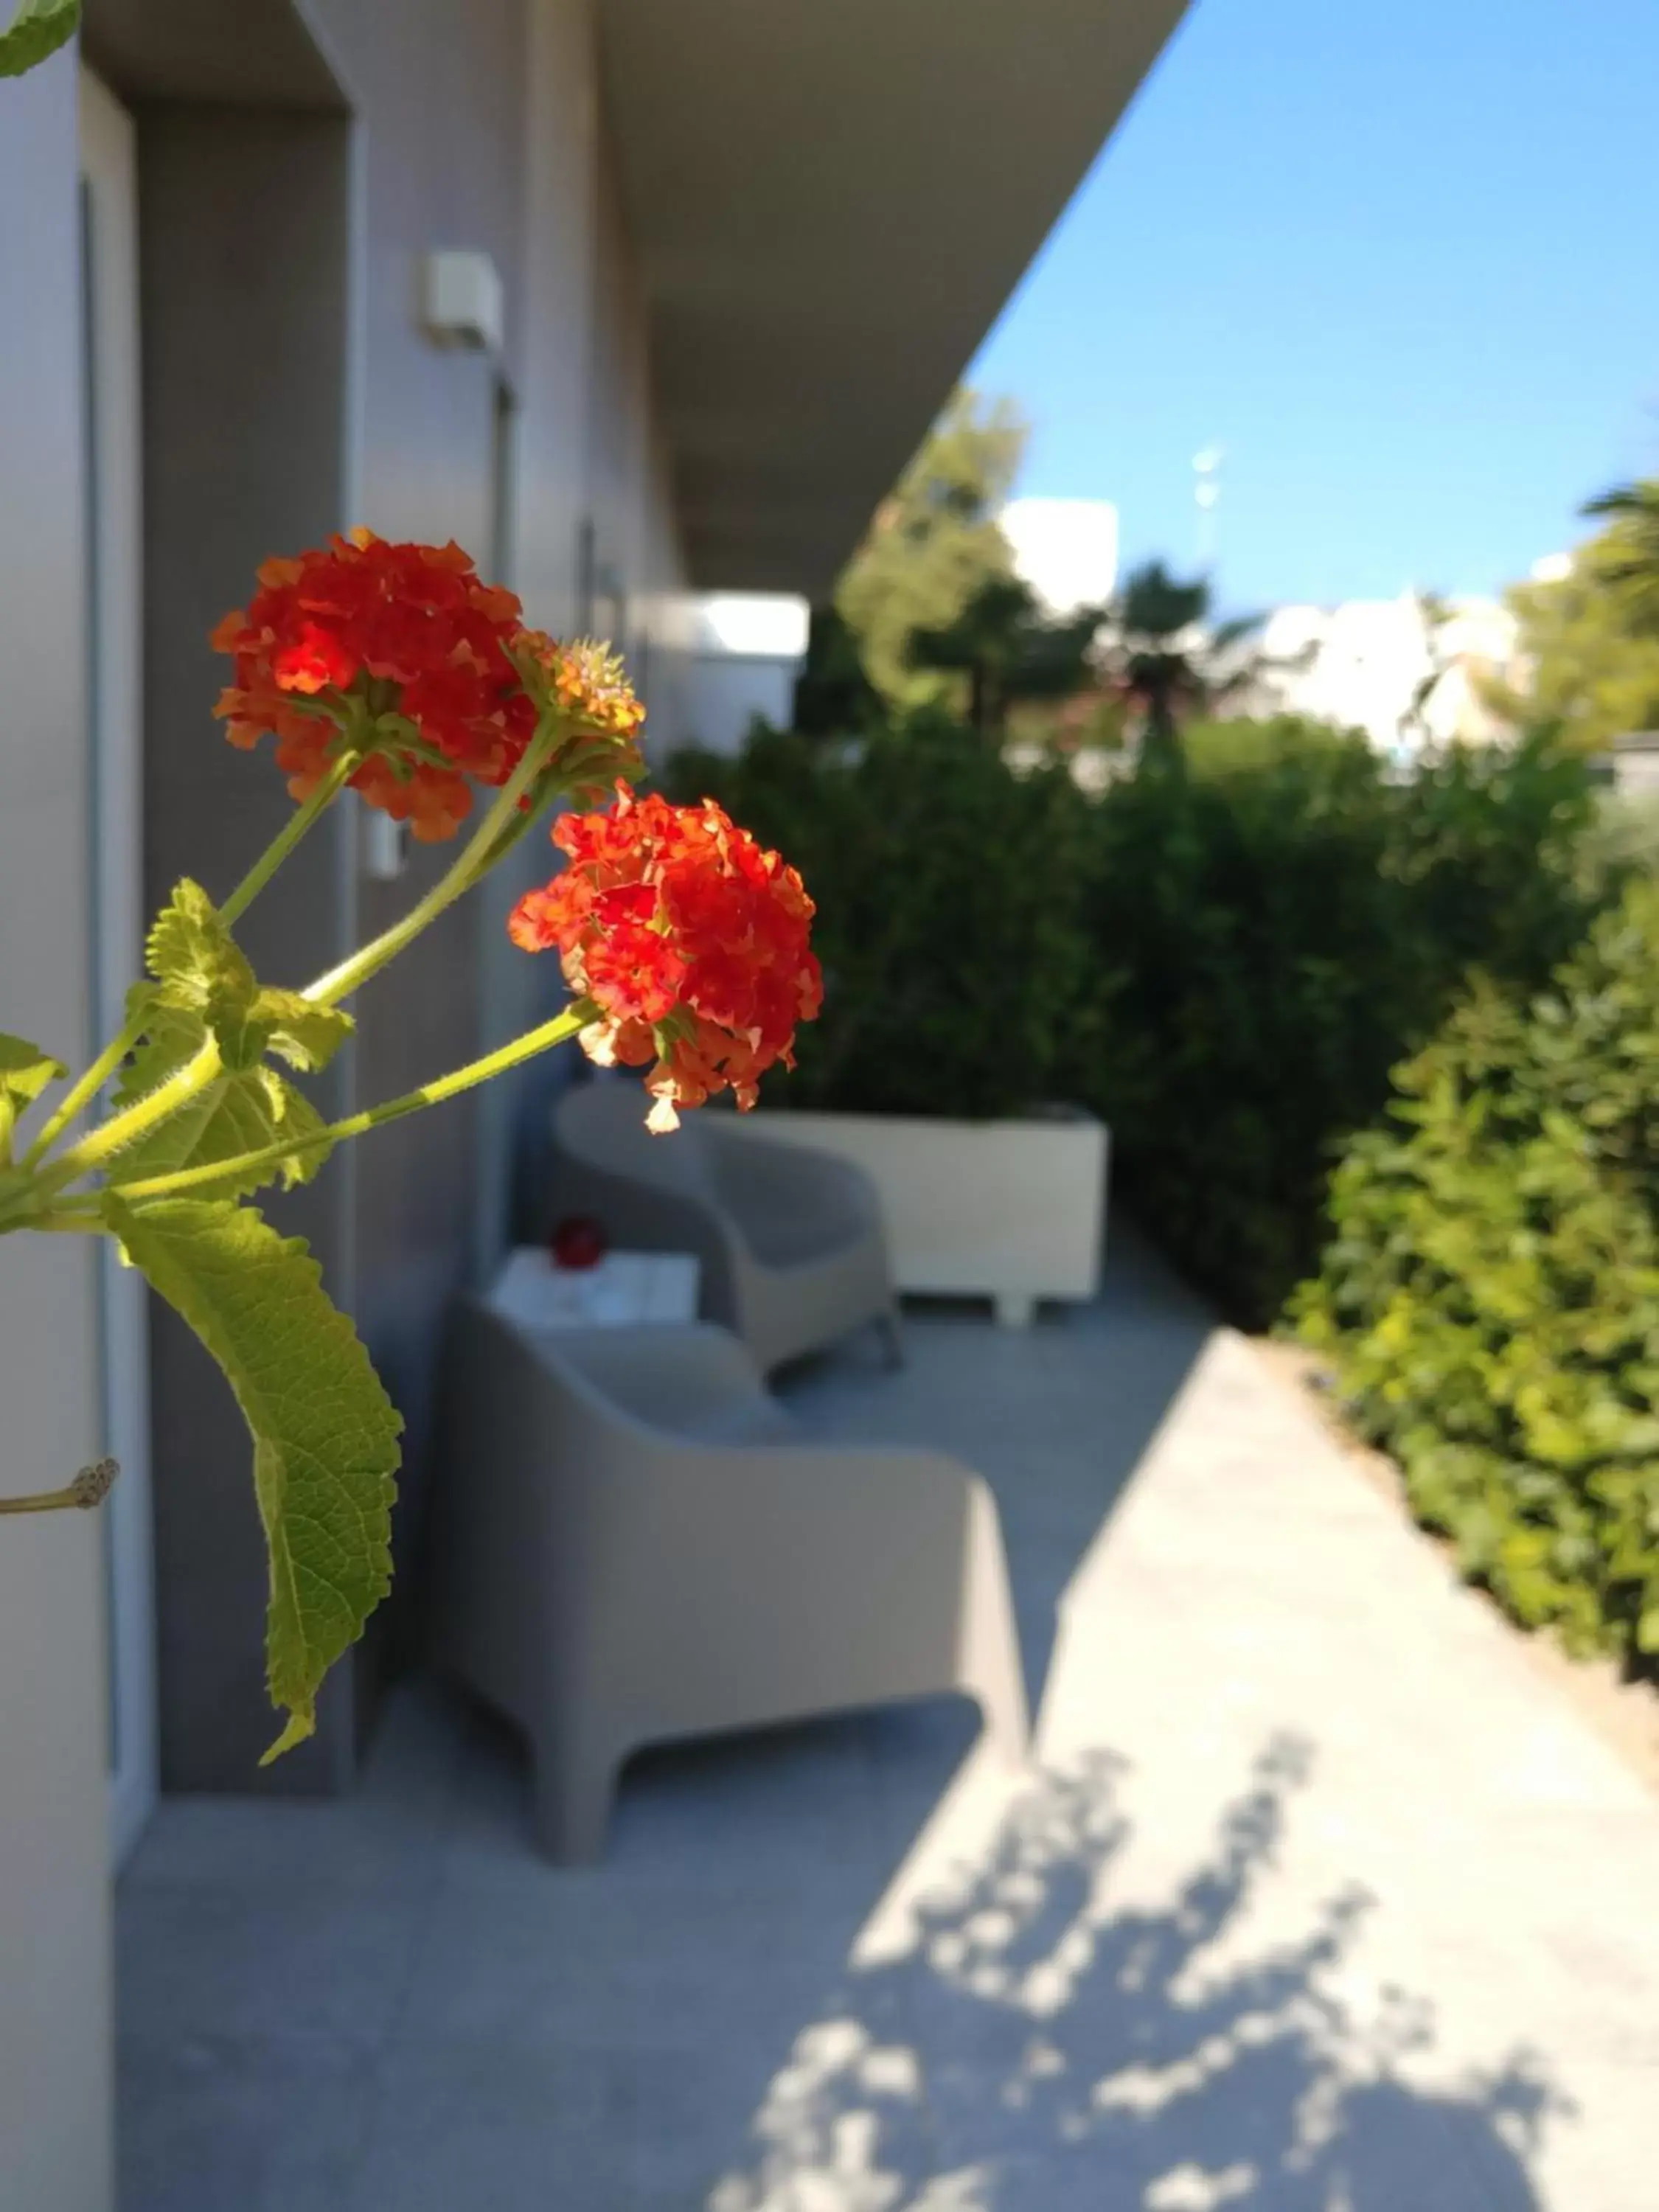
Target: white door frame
[(115, 868)]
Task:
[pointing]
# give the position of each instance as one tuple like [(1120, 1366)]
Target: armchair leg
[(892, 1339), (572, 1794), (991, 1667), (999, 1689)]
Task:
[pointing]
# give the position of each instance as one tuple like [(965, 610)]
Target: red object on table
[(578, 1240)]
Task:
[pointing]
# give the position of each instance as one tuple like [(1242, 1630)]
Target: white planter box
[(1014, 1211)]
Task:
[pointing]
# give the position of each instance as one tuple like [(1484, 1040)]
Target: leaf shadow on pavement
[(1041, 2046)]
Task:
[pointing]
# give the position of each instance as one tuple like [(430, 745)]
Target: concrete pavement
[(1316, 1898)]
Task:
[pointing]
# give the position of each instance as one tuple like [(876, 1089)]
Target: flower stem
[(89, 1488), (340, 771), (500, 828), (476, 858), (84, 1088), (115, 1135), (503, 845), (357, 1125)]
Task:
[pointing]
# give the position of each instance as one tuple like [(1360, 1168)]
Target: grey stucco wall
[(55, 2073), (477, 124), (289, 390), (440, 114), (592, 493), (243, 251), (482, 127)]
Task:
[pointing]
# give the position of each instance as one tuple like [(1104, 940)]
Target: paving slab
[(1316, 1897)]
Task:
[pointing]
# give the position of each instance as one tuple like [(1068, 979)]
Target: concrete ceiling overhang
[(831, 201), (241, 53)]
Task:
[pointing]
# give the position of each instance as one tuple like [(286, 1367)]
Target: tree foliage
[(1168, 658), (931, 545), (834, 696), (1632, 561), (1011, 653), (1590, 639)]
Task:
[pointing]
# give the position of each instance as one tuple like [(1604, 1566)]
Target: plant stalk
[(86, 1086), (475, 1072), (122, 1129), (89, 1488), (500, 829), (310, 809), (476, 858)]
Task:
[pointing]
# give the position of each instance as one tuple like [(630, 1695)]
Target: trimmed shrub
[(1281, 934), (949, 894), (1490, 1298), (1234, 747), (1225, 962)]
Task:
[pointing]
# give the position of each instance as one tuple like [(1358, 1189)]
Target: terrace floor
[(1318, 1897)]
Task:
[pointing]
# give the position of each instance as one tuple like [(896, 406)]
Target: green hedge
[(1281, 934), (1234, 747), (1490, 1298), (1224, 961), (949, 894)]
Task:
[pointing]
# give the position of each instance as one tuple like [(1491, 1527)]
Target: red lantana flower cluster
[(403, 652), (691, 941)]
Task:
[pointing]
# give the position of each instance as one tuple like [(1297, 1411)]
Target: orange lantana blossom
[(585, 685), (402, 652), (690, 939)]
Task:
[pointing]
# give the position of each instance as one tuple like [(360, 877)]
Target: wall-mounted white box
[(462, 303)]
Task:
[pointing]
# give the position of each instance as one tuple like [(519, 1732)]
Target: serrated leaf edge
[(123, 1221)]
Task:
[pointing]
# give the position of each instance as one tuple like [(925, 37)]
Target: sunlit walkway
[(1317, 1901)]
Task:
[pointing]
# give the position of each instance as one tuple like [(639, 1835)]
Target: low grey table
[(624, 1290)]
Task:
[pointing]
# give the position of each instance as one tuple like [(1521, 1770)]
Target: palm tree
[(1009, 651), (1632, 555), (1437, 614), (1165, 657)]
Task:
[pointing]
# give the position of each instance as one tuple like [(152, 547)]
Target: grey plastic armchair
[(634, 1544), (791, 1240)]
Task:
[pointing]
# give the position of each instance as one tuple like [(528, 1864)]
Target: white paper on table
[(624, 1288)]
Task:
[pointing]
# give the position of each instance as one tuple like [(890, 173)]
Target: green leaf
[(325, 1433), (25, 1069), (201, 970), (38, 29), (306, 1036), (190, 951), (25, 1072), (243, 1110)]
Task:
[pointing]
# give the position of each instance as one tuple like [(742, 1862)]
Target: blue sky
[(1398, 257)]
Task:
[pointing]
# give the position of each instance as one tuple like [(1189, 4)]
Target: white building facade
[(1066, 549), (747, 650), (1408, 671)]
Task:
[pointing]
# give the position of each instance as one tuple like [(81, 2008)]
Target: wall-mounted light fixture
[(462, 301)]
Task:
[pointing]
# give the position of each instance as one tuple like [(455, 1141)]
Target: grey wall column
[(55, 2043), (244, 219)]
